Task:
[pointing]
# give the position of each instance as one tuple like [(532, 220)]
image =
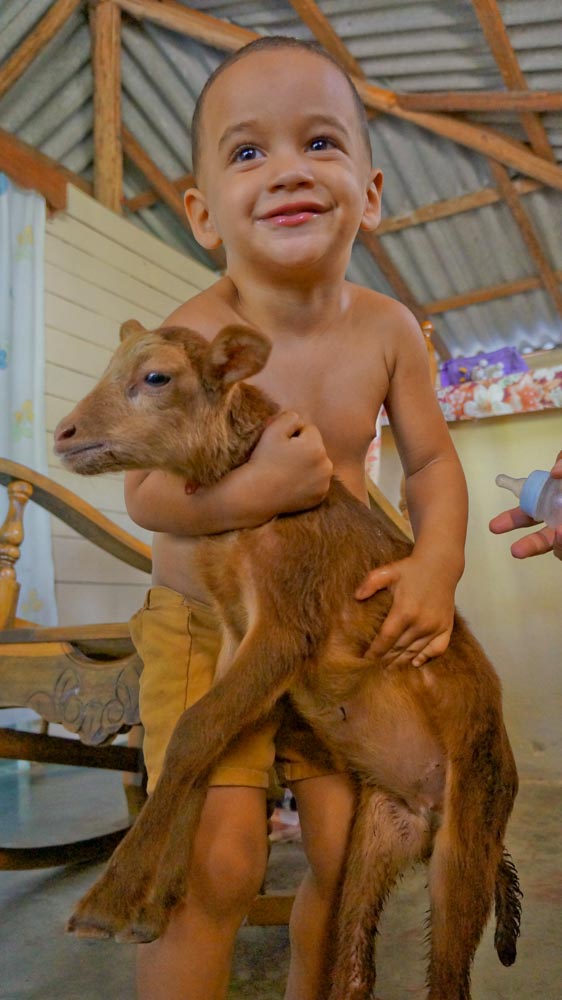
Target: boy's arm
[(420, 621), (288, 470)]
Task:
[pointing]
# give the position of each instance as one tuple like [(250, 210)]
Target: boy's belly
[(174, 565)]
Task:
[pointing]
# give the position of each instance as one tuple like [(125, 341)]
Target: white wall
[(514, 606), (100, 269)]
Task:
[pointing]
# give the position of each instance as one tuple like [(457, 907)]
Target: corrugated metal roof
[(421, 45)]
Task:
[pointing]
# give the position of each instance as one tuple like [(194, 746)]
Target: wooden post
[(106, 62), (11, 537)]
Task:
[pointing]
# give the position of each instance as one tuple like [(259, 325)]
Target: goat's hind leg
[(467, 861), (386, 836)]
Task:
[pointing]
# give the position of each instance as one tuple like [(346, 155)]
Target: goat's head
[(167, 400)]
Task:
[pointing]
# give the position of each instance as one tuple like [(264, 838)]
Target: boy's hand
[(292, 464), (420, 621)]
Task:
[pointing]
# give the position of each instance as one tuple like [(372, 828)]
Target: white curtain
[(22, 376)]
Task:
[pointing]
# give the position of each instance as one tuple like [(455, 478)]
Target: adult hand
[(537, 542)]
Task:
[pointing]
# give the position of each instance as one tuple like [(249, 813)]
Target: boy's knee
[(231, 874)]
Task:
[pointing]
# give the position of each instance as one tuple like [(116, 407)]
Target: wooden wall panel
[(100, 269)]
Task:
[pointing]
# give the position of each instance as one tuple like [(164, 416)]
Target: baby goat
[(435, 773)]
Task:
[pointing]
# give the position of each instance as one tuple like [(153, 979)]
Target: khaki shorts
[(179, 642)]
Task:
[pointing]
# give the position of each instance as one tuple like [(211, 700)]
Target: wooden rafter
[(202, 27), (319, 25), (160, 183), (230, 37), (147, 198), (511, 197), (482, 100), (502, 291), (375, 247), (35, 42), (489, 16), (449, 207), (105, 22), (34, 170)]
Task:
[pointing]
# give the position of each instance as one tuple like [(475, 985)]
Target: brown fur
[(435, 773)]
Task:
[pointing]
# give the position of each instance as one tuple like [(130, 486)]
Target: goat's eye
[(156, 378)]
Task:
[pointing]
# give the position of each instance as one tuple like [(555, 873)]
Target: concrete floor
[(41, 962)]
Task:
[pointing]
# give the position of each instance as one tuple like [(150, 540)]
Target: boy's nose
[(291, 175)]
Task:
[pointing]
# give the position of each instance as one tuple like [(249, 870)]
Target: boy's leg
[(326, 806), (191, 961)]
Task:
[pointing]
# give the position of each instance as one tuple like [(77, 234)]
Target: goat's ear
[(236, 353), (130, 326)]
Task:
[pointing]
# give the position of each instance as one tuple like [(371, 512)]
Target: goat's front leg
[(386, 836), (147, 875)]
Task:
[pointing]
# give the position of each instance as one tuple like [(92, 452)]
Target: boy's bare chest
[(338, 394)]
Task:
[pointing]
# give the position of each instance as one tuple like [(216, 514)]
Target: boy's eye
[(156, 378), (245, 154), (321, 143)]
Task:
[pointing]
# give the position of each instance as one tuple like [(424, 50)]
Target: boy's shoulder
[(206, 312), (382, 314)]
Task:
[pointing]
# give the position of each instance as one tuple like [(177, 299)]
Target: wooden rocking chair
[(82, 677)]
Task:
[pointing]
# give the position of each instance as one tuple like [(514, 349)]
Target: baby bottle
[(539, 496)]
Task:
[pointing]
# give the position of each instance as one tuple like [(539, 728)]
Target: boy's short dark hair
[(265, 43)]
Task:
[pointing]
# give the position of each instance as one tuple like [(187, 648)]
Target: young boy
[(284, 181)]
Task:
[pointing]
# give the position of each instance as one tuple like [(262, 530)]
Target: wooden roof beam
[(319, 25), (160, 183), (502, 291), (147, 198), (479, 138), (482, 100), (202, 27), (105, 24), (230, 37), (28, 168), (35, 42), (489, 16), (397, 282), (449, 207), (511, 197)]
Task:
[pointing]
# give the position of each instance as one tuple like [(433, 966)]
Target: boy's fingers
[(377, 579), (288, 422)]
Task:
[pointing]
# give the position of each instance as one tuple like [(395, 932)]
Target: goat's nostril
[(64, 433)]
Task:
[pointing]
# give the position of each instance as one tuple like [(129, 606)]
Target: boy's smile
[(293, 214), (285, 181)]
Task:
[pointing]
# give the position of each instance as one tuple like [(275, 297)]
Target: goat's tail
[(508, 910)]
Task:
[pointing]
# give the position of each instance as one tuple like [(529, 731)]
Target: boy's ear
[(372, 209), (199, 219), (236, 353)]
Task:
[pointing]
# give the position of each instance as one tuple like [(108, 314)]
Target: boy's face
[(285, 179)]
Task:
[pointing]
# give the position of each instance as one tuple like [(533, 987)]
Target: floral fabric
[(540, 389)]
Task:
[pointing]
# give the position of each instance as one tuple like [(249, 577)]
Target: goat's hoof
[(148, 924), (83, 928)]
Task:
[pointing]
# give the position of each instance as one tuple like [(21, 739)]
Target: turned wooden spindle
[(11, 537)]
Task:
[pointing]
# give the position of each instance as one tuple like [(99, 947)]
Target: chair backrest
[(24, 484)]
